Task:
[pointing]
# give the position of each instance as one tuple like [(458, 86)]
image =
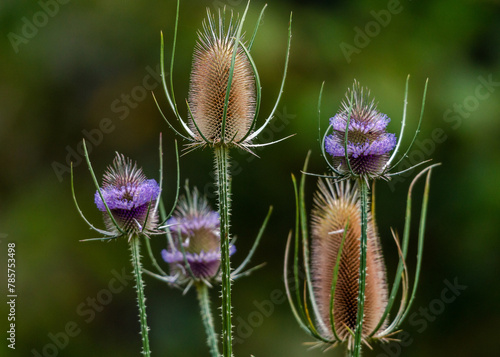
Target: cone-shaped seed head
[(334, 206), (209, 81)]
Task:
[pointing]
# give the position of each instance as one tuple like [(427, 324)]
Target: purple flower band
[(203, 265), (188, 225), (380, 146), (364, 142), (177, 256), (376, 124), (127, 197)]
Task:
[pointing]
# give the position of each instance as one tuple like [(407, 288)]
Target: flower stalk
[(223, 107), (194, 253), (128, 202), (224, 194), (345, 298), (356, 352), (141, 298), (207, 319)]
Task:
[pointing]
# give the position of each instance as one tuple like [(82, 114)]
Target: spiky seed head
[(130, 196), (209, 82), (368, 143), (196, 227), (335, 205)]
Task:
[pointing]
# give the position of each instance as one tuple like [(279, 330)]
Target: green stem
[(141, 299), (362, 268), (206, 317), (224, 193), (152, 257)]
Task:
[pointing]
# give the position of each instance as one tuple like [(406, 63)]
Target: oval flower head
[(225, 91), (336, 249), (130, 197), (329, 308), (213, 56), (361, 129), (195, 231)]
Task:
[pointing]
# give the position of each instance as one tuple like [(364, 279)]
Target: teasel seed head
[(335, 207), (209, 82), (368, 143), (130, 196), (196, 227)]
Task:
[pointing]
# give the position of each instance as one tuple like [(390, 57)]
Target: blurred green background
[(72, 69)]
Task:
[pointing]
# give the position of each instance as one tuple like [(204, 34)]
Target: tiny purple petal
[(333, 147), (356, 150), (338, 122), (383, 145)]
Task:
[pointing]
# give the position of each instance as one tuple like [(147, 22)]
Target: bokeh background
[(72, 69)]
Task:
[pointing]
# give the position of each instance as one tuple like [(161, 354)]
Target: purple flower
[(197, 228), (130, 197), (368, 143)]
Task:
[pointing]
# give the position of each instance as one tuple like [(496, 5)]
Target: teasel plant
[(344, 274), (223, 107), (194, 258), (129, 202)]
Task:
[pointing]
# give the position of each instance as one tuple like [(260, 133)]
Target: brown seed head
[(209, 81), (334, 206)]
